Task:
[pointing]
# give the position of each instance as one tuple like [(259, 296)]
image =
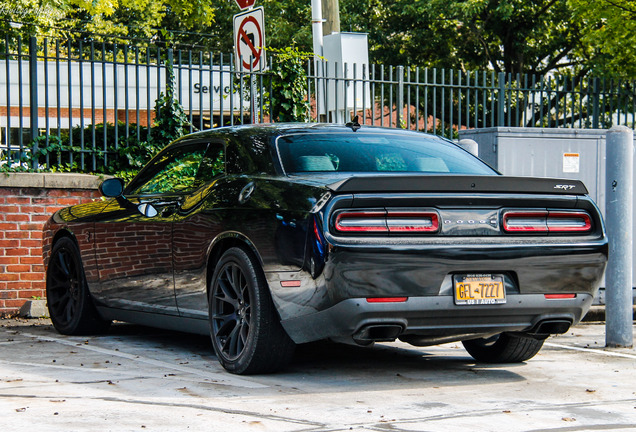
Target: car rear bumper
[(432, 320)]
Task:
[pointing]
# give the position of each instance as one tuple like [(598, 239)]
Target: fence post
[(170, 73), (597, 102), (619, 203), (400, 97), (33, 97), (502, 99)]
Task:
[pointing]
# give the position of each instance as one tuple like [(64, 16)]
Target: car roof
[(278, 129)]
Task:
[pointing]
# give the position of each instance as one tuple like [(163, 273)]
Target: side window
[(175, 170), (212, 164)]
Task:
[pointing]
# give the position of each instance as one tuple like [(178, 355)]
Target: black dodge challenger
[(269, 236)]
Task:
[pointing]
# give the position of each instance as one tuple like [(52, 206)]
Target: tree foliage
[(609, 40), (108, 20), (170, 118), (289, 85), (516, 36)]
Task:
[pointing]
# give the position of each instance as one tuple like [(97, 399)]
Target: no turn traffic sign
[(249, 40), (244, 4)]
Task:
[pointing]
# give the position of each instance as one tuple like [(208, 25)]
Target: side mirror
[(112, 187)]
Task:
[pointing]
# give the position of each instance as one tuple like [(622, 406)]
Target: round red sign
[(244, 4)]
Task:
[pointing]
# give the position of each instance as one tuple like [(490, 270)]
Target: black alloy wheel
[(503, 348), (245, 329), (232, 315), (70, 306)]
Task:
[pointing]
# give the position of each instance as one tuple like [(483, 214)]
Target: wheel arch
[(62, 232), (222, 243)]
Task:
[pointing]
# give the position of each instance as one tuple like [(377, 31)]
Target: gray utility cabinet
[(562, 153)]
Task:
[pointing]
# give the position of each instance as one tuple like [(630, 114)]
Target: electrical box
[(560, 153), (347, 72)]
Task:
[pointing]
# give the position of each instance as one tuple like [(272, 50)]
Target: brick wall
[(26, 202)]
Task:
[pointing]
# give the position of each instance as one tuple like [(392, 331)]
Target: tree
[(610, 36), (28, 17), (516, 36), (107, 20)]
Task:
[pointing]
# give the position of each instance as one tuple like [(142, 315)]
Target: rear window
[(365, 152)]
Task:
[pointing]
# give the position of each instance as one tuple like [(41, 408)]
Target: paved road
[(139, 379)]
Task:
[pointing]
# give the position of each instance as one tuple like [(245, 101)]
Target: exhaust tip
[(552, 327), (378, 333)]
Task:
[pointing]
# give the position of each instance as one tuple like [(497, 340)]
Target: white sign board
[(249, 40), (210, 89)]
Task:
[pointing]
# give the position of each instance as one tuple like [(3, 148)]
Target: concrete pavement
[(136, 378)]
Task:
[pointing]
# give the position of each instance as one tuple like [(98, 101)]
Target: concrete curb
[(34, 309), (597, 313)]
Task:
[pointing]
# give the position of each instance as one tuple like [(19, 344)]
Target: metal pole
[(619, 204), (316, 28), (596, 108), (502, 99), (400, 98), (316, 25), (33, 88)]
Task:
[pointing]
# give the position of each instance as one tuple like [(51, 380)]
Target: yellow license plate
[(479, 289)]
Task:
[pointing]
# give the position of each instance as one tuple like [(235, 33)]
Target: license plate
[(479, 289)]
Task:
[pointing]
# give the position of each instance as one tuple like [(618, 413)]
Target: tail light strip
[(387, 222), (362, 221), (412, 222), (428, 221), (546, 221)]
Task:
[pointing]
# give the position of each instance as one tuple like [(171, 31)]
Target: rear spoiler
[(459, 183)]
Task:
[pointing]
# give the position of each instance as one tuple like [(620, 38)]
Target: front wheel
[(503, 348), (246, 332), (70, 305)]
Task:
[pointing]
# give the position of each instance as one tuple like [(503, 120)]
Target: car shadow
[(331, 364), (325, 366)]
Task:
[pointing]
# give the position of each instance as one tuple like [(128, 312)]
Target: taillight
[(361, 221), (404, 222), (569, 222), (386, 299), (559, 296), (546, 221), (392, 221), (525, 221)]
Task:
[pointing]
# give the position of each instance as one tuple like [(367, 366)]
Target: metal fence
[(98, 97), (443, 101)]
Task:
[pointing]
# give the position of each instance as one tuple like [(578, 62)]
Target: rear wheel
[(69, 302), (503, 348), (246, 332)]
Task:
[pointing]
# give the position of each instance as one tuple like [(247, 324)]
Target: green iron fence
[(98, 97)]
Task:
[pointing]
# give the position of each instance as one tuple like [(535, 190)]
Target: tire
[(245, 329), (503, 348), (70, 305)]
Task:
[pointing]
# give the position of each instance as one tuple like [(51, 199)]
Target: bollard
[(619, 170), (470, 146)]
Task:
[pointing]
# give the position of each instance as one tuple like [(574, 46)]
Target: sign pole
[(316, 28)]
